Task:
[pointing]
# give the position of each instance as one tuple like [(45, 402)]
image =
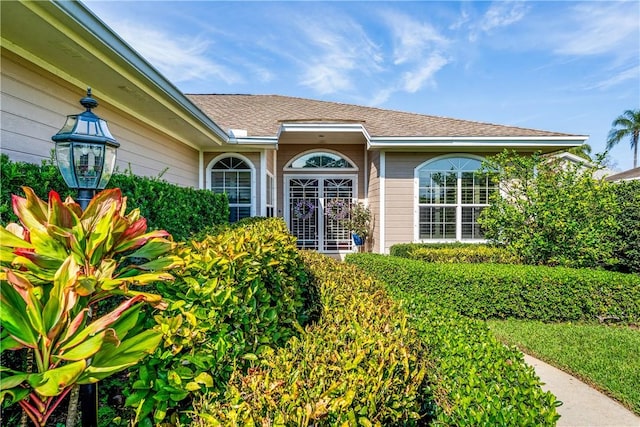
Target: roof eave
[(544, 143), (78, 26)]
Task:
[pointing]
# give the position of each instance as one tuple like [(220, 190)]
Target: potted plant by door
[(359, 222)]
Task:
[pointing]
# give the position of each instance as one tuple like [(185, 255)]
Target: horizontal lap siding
[(34, 105), (374, 199), (399, 195)]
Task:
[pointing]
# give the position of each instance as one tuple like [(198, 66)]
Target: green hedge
[(477, 380), (403, 249), (627, 251), (238, 295), (359, 364), (480, 381), (512, 291), (181, 211), (453, 254)]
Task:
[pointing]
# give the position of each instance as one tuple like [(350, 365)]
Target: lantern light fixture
[(85, 151)]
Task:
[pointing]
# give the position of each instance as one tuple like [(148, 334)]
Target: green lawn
[(607, 357)]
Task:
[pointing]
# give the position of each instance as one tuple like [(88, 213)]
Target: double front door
[(317, 209)]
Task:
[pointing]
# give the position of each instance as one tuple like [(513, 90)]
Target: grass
[(606, 357)]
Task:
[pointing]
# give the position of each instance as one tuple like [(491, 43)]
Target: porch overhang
[(319, 133)]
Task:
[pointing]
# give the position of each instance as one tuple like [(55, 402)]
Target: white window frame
[(270, 202), (458, 205), (288, 168), (252, 168)]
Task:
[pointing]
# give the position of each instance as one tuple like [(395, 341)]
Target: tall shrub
[(181, 211), (627, 249), (238, 295), (550, 212)]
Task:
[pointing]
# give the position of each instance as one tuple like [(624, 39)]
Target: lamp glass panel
[(88, 162), (104, 129), (63, 158), (109, 166), (69, 124)]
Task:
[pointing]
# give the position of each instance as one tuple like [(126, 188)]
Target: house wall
[(33, 107), (399, 195), (374, 200)]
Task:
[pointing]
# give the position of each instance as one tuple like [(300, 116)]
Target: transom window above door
[(320, 160)]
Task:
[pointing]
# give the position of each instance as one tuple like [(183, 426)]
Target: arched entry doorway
[(319, 189)]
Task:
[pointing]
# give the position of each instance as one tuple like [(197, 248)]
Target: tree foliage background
[(550, 211)]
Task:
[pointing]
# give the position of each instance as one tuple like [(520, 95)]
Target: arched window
[(233, 175), (320, 160), (451, 194)]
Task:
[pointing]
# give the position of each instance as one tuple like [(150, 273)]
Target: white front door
[(316, 207)]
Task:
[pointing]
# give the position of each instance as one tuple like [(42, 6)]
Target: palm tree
[(628, 124), (583, 151)]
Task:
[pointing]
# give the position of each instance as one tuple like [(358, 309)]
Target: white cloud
[(424, 74), (334, 53), (503, 14), (601, 27), (179, 58), (500, 14), (623, 76), (412, 38)]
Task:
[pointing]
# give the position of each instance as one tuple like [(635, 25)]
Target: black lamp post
[(86, 156), (85, 151)]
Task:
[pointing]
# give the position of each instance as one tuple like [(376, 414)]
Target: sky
[(560, 66)]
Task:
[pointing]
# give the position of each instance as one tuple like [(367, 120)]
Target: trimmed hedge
[(480, 381), (477, 380), (181, 211), (239, 294), (460, 254), (403, 249), (512, 291), (359, 364)]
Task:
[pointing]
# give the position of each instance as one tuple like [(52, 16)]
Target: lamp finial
[(88, 102)]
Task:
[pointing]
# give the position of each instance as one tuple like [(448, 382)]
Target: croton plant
[(55, 266)]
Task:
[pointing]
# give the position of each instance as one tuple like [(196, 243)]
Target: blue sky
[(561, 66)]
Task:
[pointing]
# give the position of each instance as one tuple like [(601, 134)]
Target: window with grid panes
[(451, 194), (232, 176)]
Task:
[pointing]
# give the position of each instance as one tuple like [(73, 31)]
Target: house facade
[(300, 159)]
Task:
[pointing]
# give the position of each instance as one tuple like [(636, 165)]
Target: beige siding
[(34, 105), (399, 194), (271, 165), (374, 199)]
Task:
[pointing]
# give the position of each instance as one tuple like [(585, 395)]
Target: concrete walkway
[(582, 406)]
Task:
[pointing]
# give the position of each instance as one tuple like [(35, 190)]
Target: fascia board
[(323, 127), (476, 142), (140, 72), (258, 141)]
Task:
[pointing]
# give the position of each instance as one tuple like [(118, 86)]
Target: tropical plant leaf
[(11, 240), (54, 381)]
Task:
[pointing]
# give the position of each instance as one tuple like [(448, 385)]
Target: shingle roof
[(262, 115), (626, 175)]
